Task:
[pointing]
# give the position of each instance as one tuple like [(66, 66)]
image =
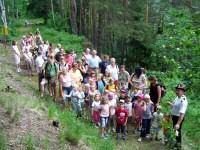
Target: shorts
[(104, 122), (66, 91), (52, 81), (44, 81)]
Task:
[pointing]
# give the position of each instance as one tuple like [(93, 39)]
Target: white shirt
[(112, 104), (94, 61), (128, 106), (179, 106), (39, 61), (66, 80), (16, 50), (56, 50), (95, 105), (114, 71)]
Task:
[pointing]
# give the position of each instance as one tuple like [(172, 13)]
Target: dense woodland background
[(160, 35)]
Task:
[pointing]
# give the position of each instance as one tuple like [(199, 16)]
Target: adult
[(179, 107), (39, 61), (57, 49), (155, 91), (16, 53), (59, 54), (76, 74), (113, 70), (138, 79), (66, 85), (94, 61), (123, 77), (87, 54), (51, 73), (105, 62)]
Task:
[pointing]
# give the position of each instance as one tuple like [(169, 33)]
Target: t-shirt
[(121, 114), (16, 50), (112, 104), (95, 105), (39, 61), (129, 106), (76, 76), (66, 80), (123, 77), (93, 62), (179, 106), (113, 71), (149, 111), (104, 110), (157, 120)]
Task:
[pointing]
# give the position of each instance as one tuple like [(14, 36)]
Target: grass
[(29, 141), (2, 140)]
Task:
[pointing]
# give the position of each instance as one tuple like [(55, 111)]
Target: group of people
[(96, 88)]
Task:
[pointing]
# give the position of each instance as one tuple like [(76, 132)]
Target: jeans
[(146, 124), (66, 91)]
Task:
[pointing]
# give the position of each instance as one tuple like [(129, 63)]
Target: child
[(95, 111), (121, 119), (156, 123), (104, 116), (80, 104), (113, 105), (111, 87), (128, 105), (137, 111), (147, 107), (100, 84)]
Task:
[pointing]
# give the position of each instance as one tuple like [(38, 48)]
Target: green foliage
[(29, 141), (2, 140)]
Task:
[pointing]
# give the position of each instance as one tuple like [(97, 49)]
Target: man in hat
[(179, 107)]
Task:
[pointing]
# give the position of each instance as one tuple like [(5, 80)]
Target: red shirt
[(121, 114)]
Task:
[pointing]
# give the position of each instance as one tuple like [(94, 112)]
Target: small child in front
[(156, 126), (121, 119)]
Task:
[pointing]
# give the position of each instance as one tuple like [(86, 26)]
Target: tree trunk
[(73, 17)]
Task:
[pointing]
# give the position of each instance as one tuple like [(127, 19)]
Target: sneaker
[(139, 140), (148, 136), (124, 138)]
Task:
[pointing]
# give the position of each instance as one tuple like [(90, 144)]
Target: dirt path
[(32, 125)]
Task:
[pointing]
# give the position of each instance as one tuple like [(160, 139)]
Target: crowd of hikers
[(96, 89)]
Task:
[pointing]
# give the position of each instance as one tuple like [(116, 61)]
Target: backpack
[(50, 71), (163, 90)]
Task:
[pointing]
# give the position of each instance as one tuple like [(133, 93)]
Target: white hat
[(121, 101), (146, 96)]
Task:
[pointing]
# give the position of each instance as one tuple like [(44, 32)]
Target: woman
[(66, 85), (155, 91), (179, 107), (138, 79), (16, 55), (76, 74)]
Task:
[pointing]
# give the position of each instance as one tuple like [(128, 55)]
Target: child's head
[(97, 97), (128, 99), (99, 77), (104, 101), (159, 108), (121, 102), (111, 81), (140, 97), (110, 96), (147, 98)]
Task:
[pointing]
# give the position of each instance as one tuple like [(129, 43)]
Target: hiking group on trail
[(96, 89)]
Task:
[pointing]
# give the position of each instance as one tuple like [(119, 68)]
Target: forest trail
[(32, 124)]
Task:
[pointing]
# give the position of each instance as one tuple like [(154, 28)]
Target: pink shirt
[(104, 110)]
